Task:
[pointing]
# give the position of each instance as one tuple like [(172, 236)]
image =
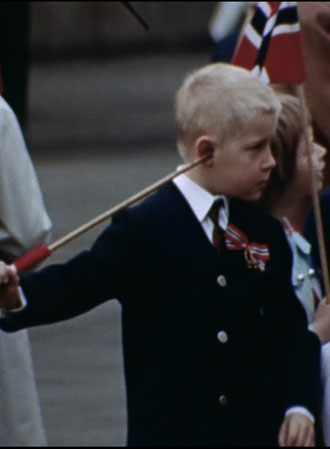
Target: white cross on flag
[(271, 45)]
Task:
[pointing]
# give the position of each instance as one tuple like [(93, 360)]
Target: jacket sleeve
[(296, 346), (62, 291)]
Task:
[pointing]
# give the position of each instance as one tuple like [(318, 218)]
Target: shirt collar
[(200, 200)]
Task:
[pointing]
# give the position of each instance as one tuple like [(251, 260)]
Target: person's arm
[(298, 425), (298, 428), (299, 349), (62, 291)]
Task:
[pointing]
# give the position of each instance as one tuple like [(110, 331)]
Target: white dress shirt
[(201, 201)]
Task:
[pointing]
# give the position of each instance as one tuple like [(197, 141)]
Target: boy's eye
[(259, 145)]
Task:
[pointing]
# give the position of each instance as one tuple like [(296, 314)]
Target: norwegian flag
[(271, 46)]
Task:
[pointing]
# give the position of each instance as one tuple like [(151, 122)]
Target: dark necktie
[(217, 235)]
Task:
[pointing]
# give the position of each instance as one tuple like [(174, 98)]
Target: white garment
[(325, 373), (23, 218), (201, 201), (226, 18), (20, 415), (23, 222)]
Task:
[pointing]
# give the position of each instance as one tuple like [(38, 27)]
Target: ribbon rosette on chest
[(256, 254)]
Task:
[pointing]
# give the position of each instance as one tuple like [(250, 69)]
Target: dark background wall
[(39, 31), (62, 28)]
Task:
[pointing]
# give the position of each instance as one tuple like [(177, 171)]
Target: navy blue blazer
[(187, 384)]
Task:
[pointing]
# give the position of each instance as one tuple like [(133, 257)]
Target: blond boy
[(202, 276)]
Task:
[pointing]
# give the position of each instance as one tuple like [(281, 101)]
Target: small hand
[(9, 282), (297, 430)]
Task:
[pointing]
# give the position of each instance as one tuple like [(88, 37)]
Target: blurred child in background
[(288, 197)]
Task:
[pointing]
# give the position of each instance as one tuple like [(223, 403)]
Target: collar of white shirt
[(201, 201)]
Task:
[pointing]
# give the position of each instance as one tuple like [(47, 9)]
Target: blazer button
[(222, 337), (223, 400), (301, 277), (311, 272), (222, 281)]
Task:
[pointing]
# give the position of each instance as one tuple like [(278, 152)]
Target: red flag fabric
[(271, 46)]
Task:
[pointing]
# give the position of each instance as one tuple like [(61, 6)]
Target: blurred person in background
[(288, 197), (23, 222), (225, 27)]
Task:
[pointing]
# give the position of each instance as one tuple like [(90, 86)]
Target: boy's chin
[(252, 197)]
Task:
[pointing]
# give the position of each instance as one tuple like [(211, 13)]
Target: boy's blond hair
[(219, 100)]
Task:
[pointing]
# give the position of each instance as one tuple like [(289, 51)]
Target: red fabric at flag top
[(271, 46)]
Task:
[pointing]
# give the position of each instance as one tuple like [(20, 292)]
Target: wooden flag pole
[(123, 205), (42, 252), (315, 194)]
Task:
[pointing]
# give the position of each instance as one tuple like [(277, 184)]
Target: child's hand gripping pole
[(41, 252)]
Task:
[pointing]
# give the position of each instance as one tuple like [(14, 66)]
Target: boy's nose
[(320, 149), (270, 161)]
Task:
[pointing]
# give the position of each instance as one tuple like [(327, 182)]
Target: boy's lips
[(263, 182)]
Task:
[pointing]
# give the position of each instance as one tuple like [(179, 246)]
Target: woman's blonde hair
[(284, 147), (220, 100)]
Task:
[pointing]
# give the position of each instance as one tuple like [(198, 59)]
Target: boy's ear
[(205, 145)]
